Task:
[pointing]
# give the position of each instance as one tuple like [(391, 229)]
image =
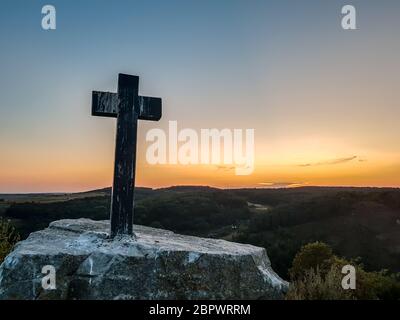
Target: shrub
[(317, 255), (316, 275), (377, 285), (8, 238), (313, 285)]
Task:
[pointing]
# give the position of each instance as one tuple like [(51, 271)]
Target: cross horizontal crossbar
[(105, 104)]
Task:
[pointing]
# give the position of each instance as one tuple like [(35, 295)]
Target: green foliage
[(184, 211), (191, 212), (316, 275), (312, 256), (355, 222), (35, 216), (281, 245), (313, 285), (377, 285), (8, 238), (299, 212)]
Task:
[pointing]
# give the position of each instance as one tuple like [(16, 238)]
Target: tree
[(316, 255)]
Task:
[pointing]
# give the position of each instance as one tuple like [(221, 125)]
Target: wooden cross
[(127, 106)]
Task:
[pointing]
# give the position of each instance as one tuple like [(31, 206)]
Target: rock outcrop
[(159, 264)]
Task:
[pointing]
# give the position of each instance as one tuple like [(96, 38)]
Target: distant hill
[(188, 188)]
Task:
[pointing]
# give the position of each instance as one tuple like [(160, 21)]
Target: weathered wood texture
[(105, 104), (127, 106)]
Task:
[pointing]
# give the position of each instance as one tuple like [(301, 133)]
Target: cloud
[(226, 168), (328, 162), (282, 184)]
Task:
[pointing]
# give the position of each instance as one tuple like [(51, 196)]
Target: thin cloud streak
[(328, 162), (282, 184), (225, 168)]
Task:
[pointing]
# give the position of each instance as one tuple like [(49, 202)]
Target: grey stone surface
[(159, 264)]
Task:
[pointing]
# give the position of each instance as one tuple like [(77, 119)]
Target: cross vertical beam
[(125, 157)]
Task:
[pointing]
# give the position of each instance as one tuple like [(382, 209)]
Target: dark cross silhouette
[(127, 106)]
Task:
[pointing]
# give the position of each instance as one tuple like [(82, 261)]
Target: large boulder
[(158, 264)]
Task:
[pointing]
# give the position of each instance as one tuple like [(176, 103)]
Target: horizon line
[(200, 186)]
